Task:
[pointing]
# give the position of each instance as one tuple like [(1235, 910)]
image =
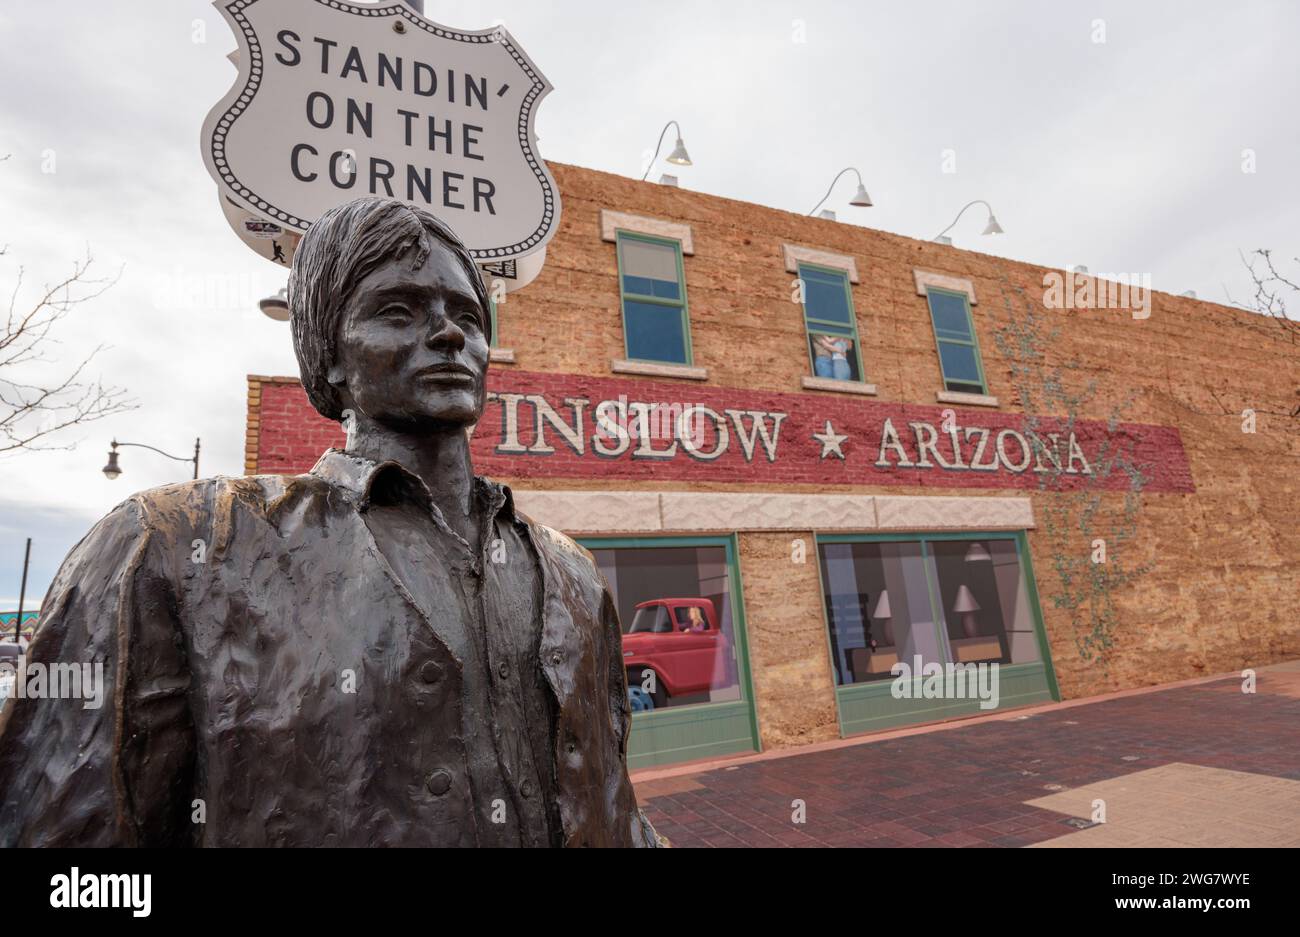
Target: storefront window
[(985, 602), (960, 601), (679, 643)]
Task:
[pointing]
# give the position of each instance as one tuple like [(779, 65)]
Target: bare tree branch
[(1272, 290), (33, 410)]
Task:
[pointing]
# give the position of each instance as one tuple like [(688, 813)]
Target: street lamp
[(112, 470), (992, 227), (860, 198), (276, 307), (678, 157)]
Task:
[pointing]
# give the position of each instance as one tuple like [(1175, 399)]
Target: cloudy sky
[(1106, 134)]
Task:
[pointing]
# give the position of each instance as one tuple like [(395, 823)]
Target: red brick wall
[(286, 436), (294, 435)]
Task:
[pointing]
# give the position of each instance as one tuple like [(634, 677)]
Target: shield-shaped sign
[(338, 100)]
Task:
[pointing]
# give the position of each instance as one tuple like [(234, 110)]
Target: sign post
[(338, 100)]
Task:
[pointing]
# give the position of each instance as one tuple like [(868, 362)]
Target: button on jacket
[(270, 679)]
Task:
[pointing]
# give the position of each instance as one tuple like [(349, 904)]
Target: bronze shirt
[(268, 683), (486, 607)]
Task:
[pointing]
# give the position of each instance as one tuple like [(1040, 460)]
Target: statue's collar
[(365, 482)]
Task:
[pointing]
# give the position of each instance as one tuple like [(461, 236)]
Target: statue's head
[(390, 318)]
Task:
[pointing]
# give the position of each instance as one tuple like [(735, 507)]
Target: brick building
[(803, 452)]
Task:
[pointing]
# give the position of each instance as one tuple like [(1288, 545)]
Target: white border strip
[(925, 279), (611, 222), (616, 512), (794, 254)]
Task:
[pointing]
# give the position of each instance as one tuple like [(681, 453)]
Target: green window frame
[(958, 339), (492, 321), (700, 730), (814, 325), (644, 304)]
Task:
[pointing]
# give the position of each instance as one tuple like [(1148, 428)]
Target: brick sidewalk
[(1199, 765)]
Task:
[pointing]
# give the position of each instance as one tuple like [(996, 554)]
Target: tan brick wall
[(788, 648)]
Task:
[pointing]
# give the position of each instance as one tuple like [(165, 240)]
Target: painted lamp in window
[(966, 606), (885, 616)]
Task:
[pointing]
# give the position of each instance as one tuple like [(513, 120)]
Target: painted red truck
[(680, 641)]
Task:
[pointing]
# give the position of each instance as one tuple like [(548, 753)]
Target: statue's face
[(411, 352)]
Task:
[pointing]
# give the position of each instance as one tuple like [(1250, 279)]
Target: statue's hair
[(337, 252)]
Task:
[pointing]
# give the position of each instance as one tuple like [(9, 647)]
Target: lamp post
[(112, 470), (992, 227), (860, 198), (22, 597), (678, 157)]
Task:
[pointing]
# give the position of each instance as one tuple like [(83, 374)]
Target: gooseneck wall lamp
[(276, 307), (112, 470), (860, 198), (678, 157), (991, 227)]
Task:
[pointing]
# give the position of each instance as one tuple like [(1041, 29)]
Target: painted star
[(830, 441)]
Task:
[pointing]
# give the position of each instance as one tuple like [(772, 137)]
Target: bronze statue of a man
[(381, 652)]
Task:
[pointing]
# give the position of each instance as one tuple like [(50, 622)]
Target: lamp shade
[(112, 470), (679, 156), (860, 198), (977, 554), (965, 601), (993, 227), (276, 307), (882, 606)]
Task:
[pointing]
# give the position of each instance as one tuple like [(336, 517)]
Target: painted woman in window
[(831, 357)]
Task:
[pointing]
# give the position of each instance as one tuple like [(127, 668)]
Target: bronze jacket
[(225, 613)]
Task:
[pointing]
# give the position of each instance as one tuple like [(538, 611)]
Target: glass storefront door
[(923, 628)]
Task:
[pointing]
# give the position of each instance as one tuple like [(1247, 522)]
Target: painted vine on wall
[(1090, 547)]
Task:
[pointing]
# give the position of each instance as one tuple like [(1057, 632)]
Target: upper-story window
[(656, 326), (830, 323), (954, 333)]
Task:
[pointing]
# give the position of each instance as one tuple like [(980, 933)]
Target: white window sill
[(839, 387), (966, 400), (502, 355), (657, 369)]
